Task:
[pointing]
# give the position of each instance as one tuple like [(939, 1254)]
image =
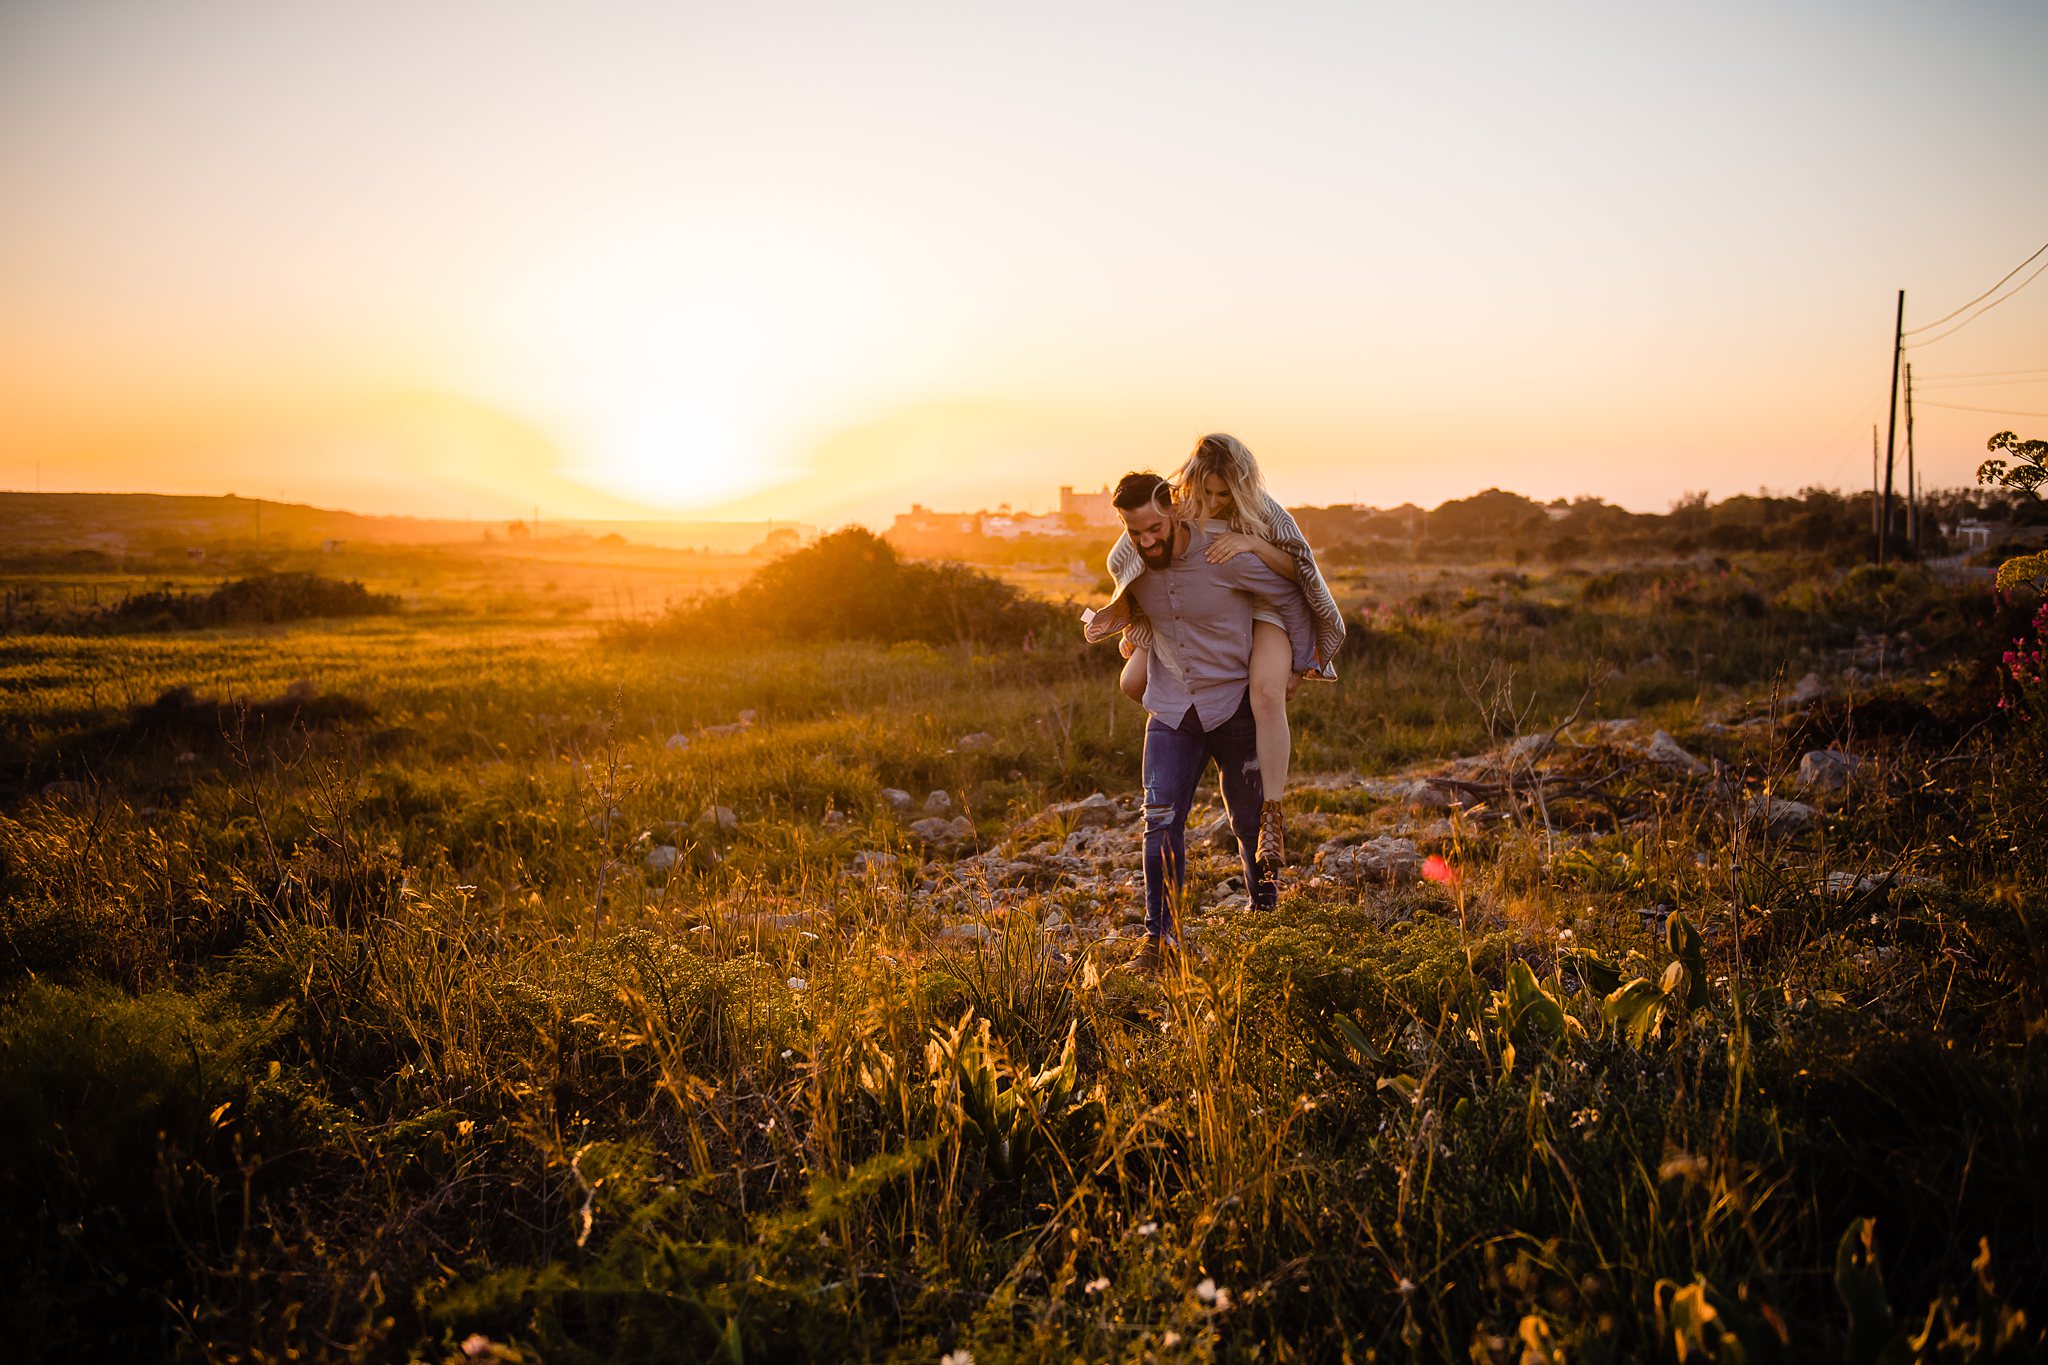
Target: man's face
[(1151, 529)]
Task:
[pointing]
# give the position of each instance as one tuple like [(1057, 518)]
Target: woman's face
[(1212, 497)]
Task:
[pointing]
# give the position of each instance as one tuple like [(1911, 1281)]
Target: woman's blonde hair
[(1227, 458)]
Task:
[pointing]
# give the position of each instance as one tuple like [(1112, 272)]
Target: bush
[(265, 599), (851, 585)]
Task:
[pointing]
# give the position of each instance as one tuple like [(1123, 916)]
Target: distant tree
[(2024, 473), (518, 532)]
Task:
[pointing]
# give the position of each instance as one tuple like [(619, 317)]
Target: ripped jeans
[(1174, 759)]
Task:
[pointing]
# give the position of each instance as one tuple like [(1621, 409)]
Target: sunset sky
[(817, 261)]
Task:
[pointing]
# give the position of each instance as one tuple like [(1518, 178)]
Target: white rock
[(873, 860), (1850, 883), (835, 819), (1828, 769), (1096, 810), (898, 800), (1427, 795), (1781, 817), (969, 932), (944, 833), (979, 742), (721, 816), (1666, 752), (1394, 859), (677, 742), (938, 803), (662, 857), (1524, 750), (1807, 690)]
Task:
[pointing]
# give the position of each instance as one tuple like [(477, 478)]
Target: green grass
[(366, 1037)]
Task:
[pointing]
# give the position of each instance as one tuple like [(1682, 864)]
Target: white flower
[(1170, 1340), (1096, 1285), (1564, 935), (797, 983), (1147, 1229), (962, 1356), (1216, 1298)]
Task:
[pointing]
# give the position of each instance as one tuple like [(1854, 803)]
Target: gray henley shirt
[(1201, 616)]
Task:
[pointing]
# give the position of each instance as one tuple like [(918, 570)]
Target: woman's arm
[(1230, 544)]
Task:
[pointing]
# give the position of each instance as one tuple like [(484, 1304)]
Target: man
[(1197, 693)]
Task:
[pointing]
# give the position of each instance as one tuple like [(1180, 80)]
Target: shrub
[(851, 585), (264, 599)]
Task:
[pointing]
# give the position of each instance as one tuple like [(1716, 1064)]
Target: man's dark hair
[(1135, 490)]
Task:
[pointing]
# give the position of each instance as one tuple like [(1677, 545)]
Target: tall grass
[(372, 1033)]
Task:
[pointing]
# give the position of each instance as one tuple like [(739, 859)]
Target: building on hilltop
[(1094, 509)]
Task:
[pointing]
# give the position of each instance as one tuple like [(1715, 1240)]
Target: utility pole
[(1891, 428), (1912, 500), (1875, 524)]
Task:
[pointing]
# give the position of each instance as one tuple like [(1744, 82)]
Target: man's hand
[(1231, 544), (1293, 681)]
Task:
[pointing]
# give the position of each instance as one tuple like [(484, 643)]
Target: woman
[(1221, 486)]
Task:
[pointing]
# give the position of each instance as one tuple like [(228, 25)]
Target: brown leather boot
[(1272, 854)]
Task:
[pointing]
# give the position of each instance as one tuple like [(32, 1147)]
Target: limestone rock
[(1781, 817), (1828, 769), (970, 932), (1096, 811), (898, 800), (662, 858), (938, 803), (1666, 752), (722, 817), (1427, 795), (1386, 857), (944, 834), (1524, 750), (1807, 690), (677, 741), (873, 860)]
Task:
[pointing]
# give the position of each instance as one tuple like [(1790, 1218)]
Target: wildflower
[(1564, 935), (1210, 1293), (1437, 870), (1170, 1340), (797, 983), (1147, 1229), (1405, 1287), (963, 1356), (1096, 1285)]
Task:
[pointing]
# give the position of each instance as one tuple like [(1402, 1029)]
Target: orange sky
[(818, 261)]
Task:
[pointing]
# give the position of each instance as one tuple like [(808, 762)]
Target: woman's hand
[(1231, 544)]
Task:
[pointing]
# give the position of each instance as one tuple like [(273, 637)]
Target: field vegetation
[(516, 987)]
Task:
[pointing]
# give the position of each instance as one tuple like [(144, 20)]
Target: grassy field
[(492, 983)]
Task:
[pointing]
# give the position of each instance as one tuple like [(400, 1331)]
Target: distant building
[(1094, 509), (1976, 535), (922, 521)]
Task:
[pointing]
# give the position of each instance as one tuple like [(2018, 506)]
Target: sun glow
[(676, 371)]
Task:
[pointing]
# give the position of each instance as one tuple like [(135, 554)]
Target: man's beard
[(1158, 556)]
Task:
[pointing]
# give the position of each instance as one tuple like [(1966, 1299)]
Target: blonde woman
[(1220, 486)]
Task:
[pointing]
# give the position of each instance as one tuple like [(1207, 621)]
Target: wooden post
[(1912, 500), (1891, 430), (1875, 524)]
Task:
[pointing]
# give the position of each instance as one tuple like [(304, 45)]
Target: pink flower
[(1437, 870)]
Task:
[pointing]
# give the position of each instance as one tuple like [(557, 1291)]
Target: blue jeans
[(1174, 758)]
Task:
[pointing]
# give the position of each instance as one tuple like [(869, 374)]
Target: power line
[(1981, 297), (1996, 412), (1982, 383), (1929, 341), (1985, 374)]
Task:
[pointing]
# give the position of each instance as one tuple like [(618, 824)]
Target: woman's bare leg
[(1272, 662), (1133, 680)]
